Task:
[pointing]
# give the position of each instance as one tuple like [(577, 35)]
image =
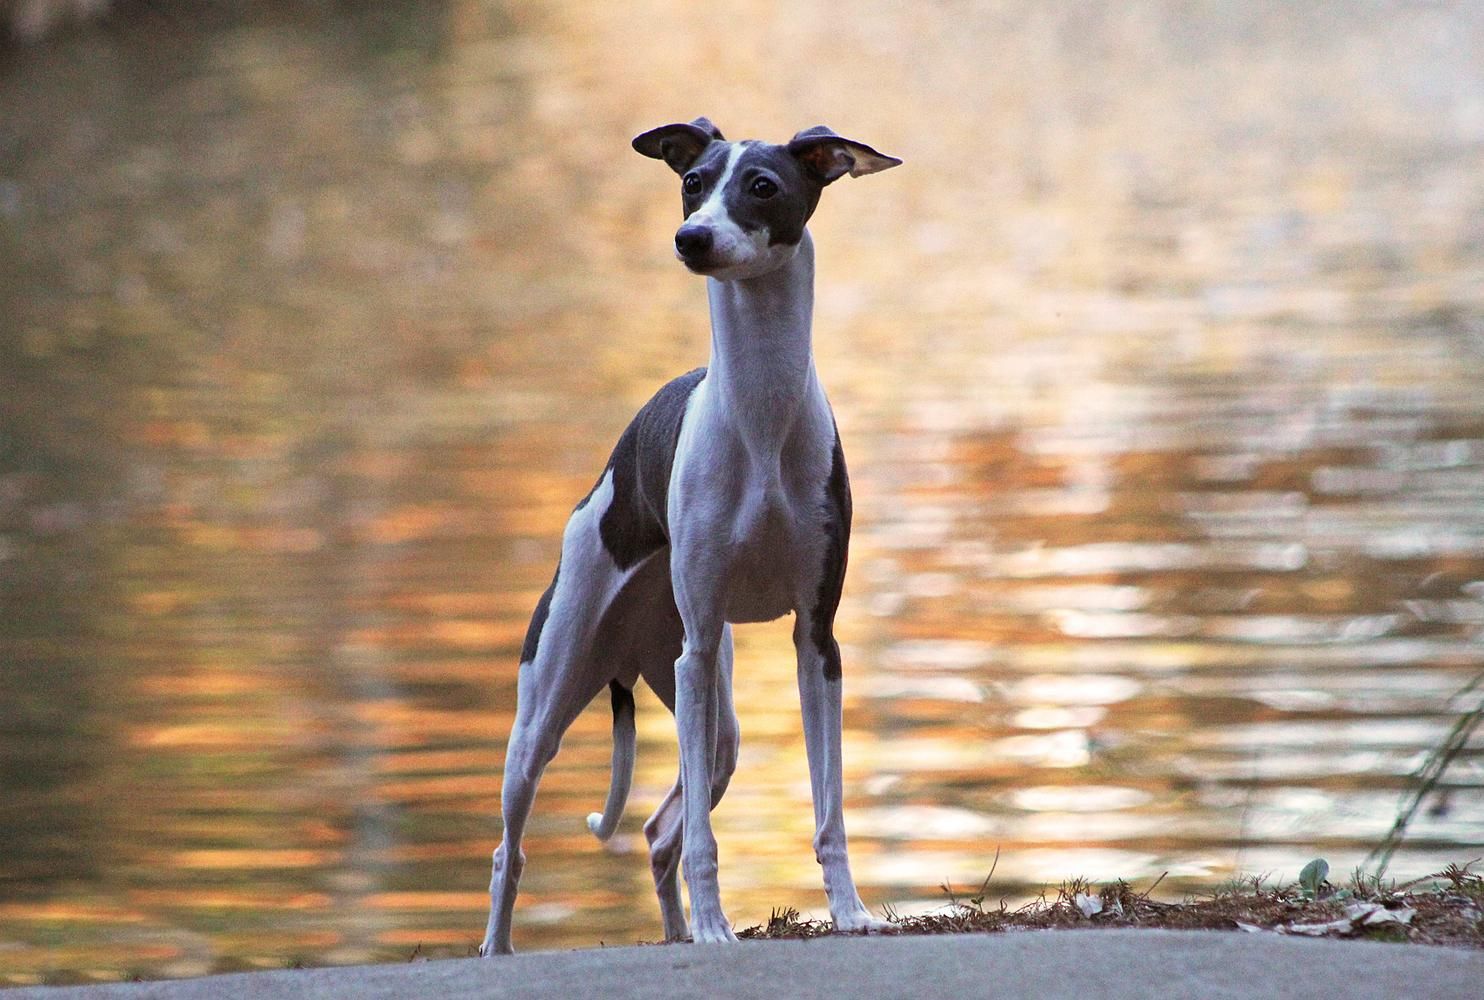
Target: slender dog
[(726, 500)]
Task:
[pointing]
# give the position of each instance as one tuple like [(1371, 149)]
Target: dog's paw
[(715, 929), (860, 922)]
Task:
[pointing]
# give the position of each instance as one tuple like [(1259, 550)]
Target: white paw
[(860, 922), (715, 929)]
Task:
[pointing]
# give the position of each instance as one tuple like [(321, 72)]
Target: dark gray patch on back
[(836, 550), (636, 522)]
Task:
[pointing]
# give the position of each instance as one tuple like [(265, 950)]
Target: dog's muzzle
[(693, 244)]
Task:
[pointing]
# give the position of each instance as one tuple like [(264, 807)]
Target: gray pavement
[(1046, 965)]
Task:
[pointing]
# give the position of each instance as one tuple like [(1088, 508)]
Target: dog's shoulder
[(635, 523)]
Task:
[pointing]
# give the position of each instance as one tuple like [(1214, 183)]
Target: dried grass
[(1446, 908)]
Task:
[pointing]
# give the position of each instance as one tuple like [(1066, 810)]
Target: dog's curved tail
[(603, 824)]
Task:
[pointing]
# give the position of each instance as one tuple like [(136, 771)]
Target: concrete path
[(1045, 965)]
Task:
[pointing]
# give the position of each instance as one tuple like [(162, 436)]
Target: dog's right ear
[(678, 144)]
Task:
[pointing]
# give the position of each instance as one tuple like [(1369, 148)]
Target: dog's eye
[(763, 188), (691, 184)]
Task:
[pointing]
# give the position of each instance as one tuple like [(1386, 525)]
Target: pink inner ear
[(828, 160)]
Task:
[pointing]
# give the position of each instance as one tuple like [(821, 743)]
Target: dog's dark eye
[(692, 184), (763, 188)]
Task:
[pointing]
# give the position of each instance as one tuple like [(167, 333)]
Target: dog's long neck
[(762, 359)]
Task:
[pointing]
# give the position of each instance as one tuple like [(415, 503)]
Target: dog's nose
[(693, 242)]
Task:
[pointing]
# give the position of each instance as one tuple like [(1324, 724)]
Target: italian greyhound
[(726, 500)]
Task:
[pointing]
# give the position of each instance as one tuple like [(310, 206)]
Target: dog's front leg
[(695, 719), (699, 598), (820, 699)]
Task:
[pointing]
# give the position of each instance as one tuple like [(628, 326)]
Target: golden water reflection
[(1157, 368)]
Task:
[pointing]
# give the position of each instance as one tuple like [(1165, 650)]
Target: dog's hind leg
[(663, 830), (542, 716), (560, 673)]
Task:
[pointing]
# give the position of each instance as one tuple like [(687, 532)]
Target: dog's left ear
[(828, 156)]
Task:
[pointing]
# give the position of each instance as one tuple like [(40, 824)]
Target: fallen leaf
[(1381, 915), (1343, 926)]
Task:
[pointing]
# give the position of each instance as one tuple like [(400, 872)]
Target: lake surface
[(1158, 367)]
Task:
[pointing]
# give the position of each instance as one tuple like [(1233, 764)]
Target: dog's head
[(746, 202)]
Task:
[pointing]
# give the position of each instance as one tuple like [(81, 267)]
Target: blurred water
[(1157, 367)]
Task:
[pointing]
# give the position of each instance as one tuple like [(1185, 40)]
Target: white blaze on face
[(735, 252), (713, 210)]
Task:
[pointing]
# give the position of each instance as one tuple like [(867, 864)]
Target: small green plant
[(975, 903), (1311, 879)]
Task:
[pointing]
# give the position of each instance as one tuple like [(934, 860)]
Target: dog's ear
[(828, 156), (678, 144)]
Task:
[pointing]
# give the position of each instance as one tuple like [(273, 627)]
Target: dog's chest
[(775, 553), (749, 501)]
